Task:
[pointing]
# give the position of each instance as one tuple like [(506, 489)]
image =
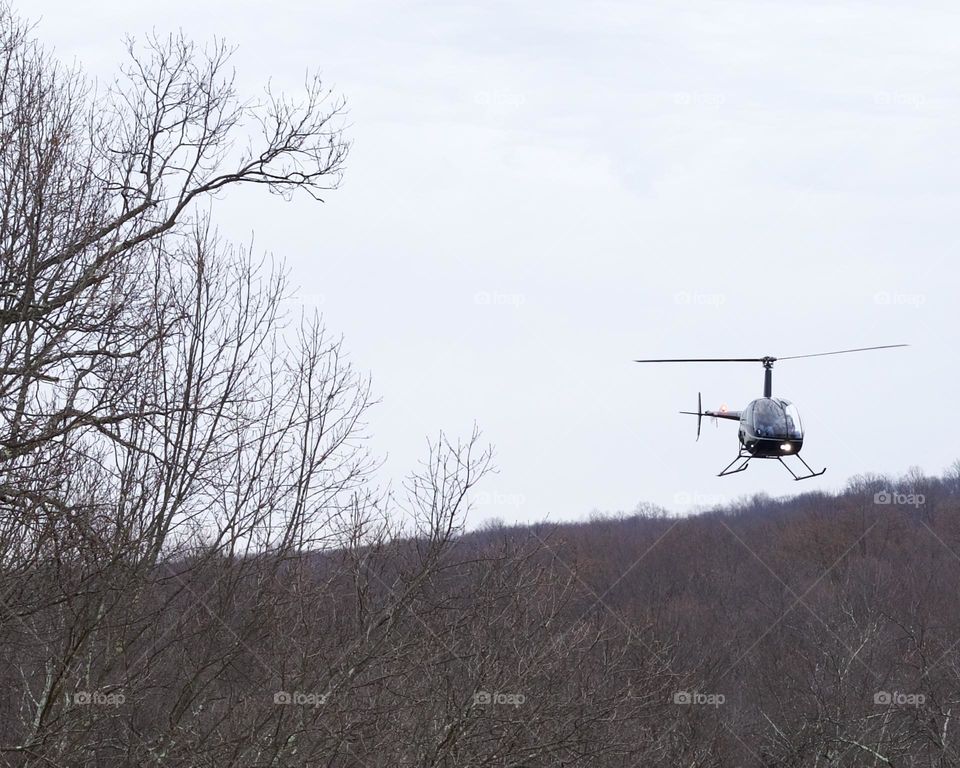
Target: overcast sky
[(540, 192)]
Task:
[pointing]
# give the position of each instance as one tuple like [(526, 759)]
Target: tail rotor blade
[(699, 414)]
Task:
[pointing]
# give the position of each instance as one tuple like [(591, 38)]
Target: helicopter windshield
[(778, 419), (769, 419)]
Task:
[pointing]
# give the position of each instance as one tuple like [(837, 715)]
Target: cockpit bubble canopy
[(776, 418)]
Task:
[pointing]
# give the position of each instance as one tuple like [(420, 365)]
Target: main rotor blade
[(843, 351), (705, 360)]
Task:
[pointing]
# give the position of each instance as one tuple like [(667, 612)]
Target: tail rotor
[(698, 413)]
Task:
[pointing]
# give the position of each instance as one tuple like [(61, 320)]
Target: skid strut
[(745, 457), (810, 472), (741, 455)]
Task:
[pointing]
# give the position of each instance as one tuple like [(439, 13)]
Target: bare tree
[(174, 452)]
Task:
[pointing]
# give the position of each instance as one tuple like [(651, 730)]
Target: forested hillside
[(820, 630)]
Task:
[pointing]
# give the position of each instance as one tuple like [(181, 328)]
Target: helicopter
[(770, 427)]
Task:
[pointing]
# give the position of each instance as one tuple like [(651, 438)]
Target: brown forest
[(197, 567)]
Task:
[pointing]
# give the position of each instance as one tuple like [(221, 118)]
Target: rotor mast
[(768, 375)]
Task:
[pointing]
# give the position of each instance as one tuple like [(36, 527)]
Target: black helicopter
[(770, 426)]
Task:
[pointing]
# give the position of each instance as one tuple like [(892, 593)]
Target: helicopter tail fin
[(698, 413)]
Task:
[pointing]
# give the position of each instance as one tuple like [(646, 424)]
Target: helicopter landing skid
[(810, 472), (745, 456), (741, 455)]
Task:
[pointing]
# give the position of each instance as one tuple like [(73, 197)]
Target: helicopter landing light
[(786, 447)]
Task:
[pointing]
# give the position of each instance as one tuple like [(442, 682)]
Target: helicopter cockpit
[(776, 418)]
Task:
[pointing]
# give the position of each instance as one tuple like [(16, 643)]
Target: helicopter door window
[(794, 427), (768, 419)]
